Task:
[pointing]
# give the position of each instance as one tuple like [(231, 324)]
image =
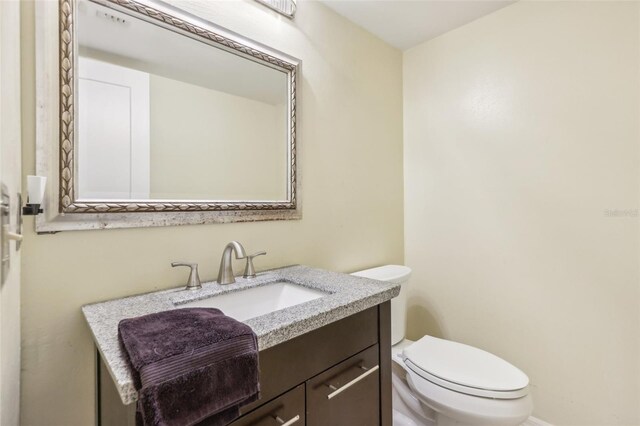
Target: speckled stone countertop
[(346, 295)]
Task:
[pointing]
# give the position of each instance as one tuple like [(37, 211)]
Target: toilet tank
[(395, 274)]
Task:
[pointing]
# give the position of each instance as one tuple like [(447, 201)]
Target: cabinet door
[(287, 409), (347, 394)]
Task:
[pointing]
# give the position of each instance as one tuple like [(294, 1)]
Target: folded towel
[(190, 365)]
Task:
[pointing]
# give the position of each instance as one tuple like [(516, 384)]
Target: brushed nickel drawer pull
[(290, 422), (352, 382)]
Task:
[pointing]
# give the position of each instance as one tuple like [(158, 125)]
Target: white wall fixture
[(285, 7), (35, 186)]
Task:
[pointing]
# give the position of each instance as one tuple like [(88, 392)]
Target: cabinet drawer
[(347, 394), (286, 365), (287, 409)]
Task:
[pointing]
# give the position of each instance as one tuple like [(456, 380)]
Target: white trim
[(533, 421)]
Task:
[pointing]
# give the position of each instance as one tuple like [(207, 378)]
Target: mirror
[(169, 115)]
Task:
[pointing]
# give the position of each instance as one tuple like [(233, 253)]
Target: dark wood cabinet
[(288, 409), (338, 375), (346, 394)]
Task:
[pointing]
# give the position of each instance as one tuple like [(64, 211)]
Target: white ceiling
[(407, 23)]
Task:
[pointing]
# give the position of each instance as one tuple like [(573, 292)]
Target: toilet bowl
[(445, 383)]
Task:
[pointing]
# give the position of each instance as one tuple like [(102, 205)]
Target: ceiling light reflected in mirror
[(284, 7)]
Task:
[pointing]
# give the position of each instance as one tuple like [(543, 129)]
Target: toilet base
[(407, 409), (401, 419)]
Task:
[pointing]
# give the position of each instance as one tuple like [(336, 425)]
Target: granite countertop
[(346, 296)]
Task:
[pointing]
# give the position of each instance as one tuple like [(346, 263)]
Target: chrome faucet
[(225, 274), (249, 270), (194, 278)]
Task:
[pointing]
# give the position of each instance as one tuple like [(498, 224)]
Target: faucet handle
[(249, 271), (194, 278)]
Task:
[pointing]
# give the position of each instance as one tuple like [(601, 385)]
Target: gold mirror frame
[(199, 31)]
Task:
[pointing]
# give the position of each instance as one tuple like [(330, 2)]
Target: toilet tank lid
[(389, 273)]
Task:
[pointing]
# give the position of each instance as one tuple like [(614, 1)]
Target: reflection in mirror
[(164, 116)]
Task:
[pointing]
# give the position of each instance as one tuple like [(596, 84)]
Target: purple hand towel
[(190, 365)]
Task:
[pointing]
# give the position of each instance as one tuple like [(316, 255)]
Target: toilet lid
[(465, 369)]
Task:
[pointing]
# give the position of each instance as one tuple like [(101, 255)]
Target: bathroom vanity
[(323, 361)]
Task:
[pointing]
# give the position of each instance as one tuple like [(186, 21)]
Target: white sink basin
[(256, 301)]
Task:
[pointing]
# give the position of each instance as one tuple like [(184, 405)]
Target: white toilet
[(439, 382)]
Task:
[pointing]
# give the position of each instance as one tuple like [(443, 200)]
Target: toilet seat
[(465, 369)]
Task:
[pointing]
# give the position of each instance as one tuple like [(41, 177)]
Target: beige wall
[(10, 176), (350, 158), (207, 144), (521, 131)]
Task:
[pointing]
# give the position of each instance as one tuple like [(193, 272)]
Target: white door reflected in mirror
[(113, 131)]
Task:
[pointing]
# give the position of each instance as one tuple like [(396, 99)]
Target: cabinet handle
[(290, 422), (352, 382)]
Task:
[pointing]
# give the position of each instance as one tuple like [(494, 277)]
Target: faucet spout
[(225, 274)]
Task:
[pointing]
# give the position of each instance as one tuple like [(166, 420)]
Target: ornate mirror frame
[(56, 59)]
